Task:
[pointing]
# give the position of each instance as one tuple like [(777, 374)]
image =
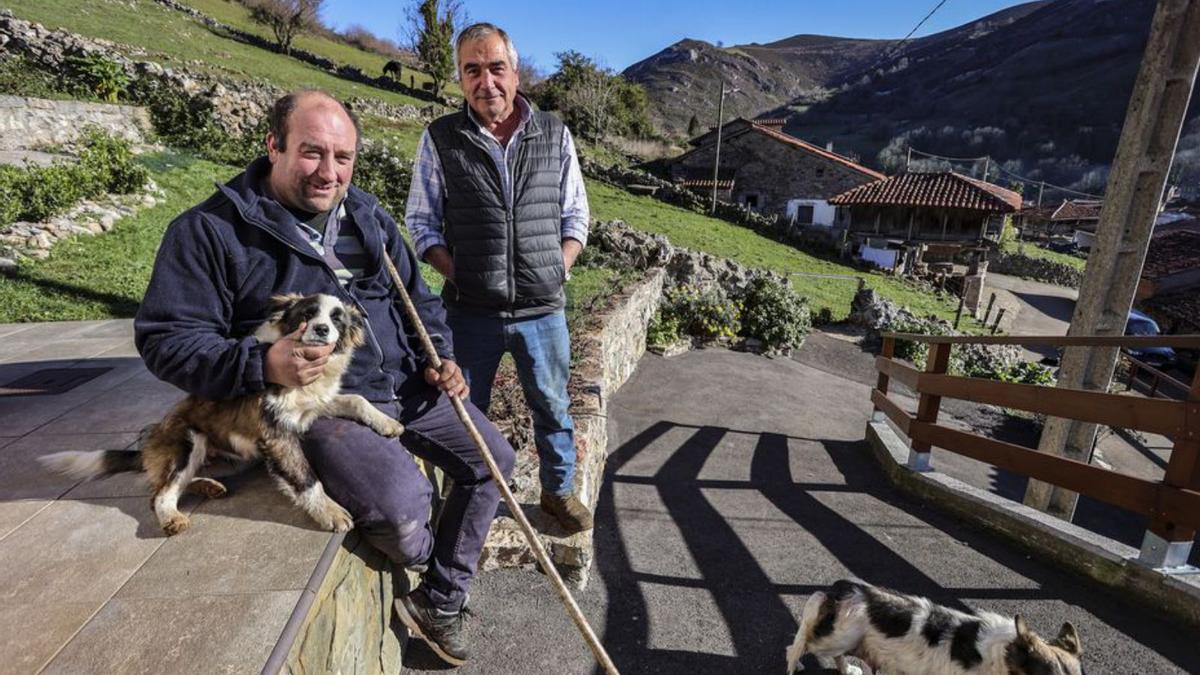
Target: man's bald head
[(288, 104)]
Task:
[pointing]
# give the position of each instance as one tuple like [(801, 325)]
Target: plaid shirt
[(423, 214)]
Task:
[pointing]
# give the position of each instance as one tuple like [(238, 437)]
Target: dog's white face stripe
[(321, 328)]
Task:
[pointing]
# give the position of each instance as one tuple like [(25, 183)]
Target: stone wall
[(773, 171), (34, 122), (615, 339), (349, 625), (237, 105), (1038, 269)]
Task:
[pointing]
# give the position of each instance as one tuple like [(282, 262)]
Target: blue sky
[(618, 33)]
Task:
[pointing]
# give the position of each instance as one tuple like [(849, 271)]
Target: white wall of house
[(822, 212), (885, 258)]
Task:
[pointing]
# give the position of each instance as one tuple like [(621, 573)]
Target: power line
[(1028, 181), (896, 48)]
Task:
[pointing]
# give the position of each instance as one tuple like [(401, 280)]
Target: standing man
[(293, 223), (498, 207)]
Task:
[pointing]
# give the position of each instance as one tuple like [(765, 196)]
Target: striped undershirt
[(337, 240)]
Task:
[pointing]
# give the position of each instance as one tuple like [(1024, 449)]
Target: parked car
[(1140, 324)]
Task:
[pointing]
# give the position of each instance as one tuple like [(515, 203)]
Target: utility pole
[(1041, 188), (717, 157), (908, 160), (1135, 187), (987, 166)]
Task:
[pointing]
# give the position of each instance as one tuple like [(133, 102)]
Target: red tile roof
[(1183, 306), (706, 183), (1078, 209), (1172, 253), (938, 190)]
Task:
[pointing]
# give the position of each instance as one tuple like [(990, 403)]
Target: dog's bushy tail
[(90, 465), (808, 618)]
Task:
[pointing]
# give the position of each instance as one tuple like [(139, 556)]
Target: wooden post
[(988, 313), (996, 326), (928, 405), (1166, 544), (962, 300), (888, 351)]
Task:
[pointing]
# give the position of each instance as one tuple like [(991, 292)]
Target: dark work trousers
[(377, 480)]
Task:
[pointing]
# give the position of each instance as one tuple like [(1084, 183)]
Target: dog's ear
[(1023, 631), (1068, 639), (280, 303)]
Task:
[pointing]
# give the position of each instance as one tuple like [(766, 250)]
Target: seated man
[(292, 223)]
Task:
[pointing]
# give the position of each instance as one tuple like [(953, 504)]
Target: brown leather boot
[(568, 511)]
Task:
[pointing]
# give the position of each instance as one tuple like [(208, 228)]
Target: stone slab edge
[(1099, 558)]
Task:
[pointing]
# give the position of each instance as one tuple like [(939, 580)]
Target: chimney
[(829, 146)]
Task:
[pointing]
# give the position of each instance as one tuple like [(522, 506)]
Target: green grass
[(405, 133), (718, 237), (105, 276), (1035, 251), (175, 39)]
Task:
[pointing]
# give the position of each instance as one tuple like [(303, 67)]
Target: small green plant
[(664, 330), (97, 76), (384, 170), (776, 315)]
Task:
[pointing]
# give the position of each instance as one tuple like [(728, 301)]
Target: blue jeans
[(541, 348)]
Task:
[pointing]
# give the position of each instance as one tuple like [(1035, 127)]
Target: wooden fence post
[(928, 405), (1166, 544), (888, 351)]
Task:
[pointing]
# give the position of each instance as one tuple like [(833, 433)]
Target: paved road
[(1041, 309), (736, 486)]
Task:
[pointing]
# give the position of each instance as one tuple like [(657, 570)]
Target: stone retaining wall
[(616, 340), (36, 123), (1038, 269)]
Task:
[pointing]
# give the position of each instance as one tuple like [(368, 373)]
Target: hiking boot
[(442, 631), (568, 511)]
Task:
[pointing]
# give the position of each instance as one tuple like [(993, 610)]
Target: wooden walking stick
[(536, 544)]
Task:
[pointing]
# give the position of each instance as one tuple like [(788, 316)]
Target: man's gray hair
[(478, 31)]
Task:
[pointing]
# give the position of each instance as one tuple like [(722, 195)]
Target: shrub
[(38, 193), (383, 169), (94, 75), (186, 123), (776, 315), (664, 330), (704, 313)]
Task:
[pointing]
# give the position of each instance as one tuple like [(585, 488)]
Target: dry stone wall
[(31, 123)]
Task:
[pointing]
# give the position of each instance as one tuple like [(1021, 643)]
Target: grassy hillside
[(692, 230), (236, 15), (175, 39)]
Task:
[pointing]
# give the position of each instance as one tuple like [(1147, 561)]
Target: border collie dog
[(266, 425), (906, 635)]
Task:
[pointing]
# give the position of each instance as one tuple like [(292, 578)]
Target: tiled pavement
[(88, 583)]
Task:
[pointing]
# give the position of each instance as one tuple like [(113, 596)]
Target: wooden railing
[(1172, 505)]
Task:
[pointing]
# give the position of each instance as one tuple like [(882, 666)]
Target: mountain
[(683, 78), (1041, 87)]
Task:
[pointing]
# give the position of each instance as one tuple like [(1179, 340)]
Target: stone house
[(769, 171)]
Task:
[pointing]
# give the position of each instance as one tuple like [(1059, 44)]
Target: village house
[(910, 222), (1169, 289), (769, 171)]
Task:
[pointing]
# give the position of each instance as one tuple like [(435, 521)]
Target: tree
[(594, 101), (529, 73), (287, 18), (431, 26)]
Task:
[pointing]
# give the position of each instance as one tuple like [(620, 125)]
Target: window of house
[(751, 201), (804, 213)]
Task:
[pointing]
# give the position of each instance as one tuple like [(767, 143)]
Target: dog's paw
[(207, 487), (389, 427), (338, 518), (176, 524)]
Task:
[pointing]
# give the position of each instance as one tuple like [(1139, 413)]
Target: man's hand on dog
[(449, 379), (291, 363)]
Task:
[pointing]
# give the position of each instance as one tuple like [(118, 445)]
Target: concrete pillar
[(1135, 188)]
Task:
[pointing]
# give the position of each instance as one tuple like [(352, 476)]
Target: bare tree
[(287, 18), (593, 97), (529, 72), (430, 26)]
